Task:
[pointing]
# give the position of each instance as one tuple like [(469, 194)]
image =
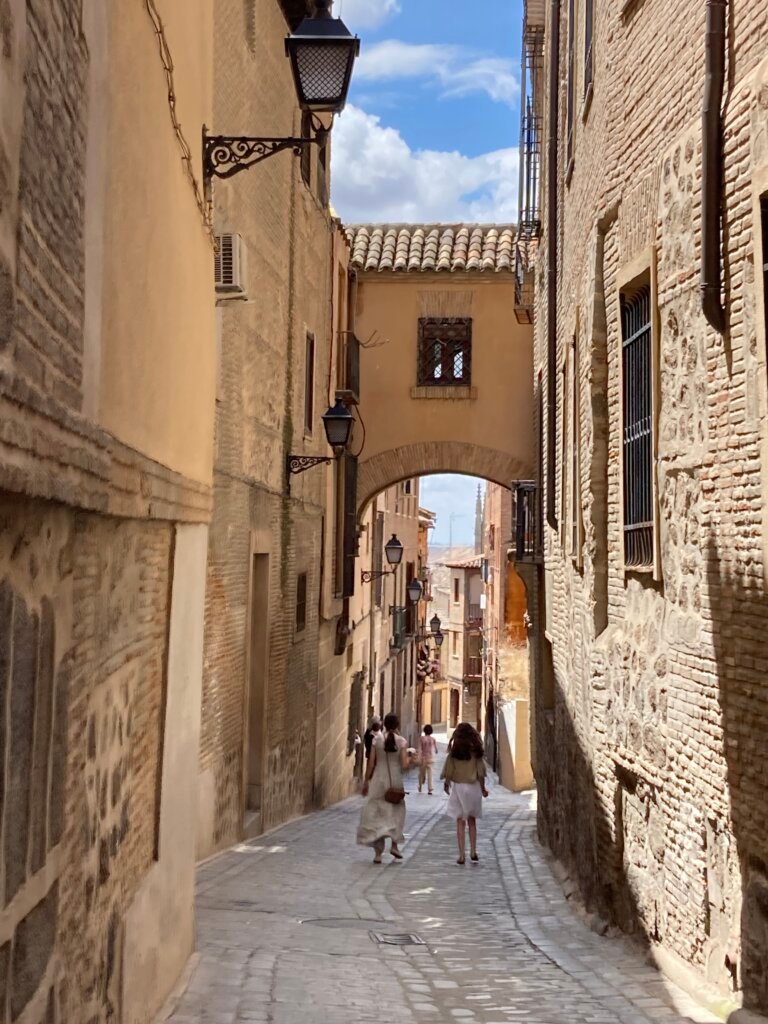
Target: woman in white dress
[(383, 814)]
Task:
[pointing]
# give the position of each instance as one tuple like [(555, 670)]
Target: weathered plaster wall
[(412, 430)]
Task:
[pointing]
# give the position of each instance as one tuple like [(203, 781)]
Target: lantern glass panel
[(323, 69)]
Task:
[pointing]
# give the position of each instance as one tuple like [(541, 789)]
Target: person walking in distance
[(464, 775), (383, 814), (428, 752), (370, 734)]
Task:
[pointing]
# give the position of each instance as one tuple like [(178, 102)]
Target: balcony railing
[(524, 280), (474, 667), (527, 520), (474, 613)]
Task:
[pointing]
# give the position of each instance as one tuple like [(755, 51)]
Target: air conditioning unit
[(229, 266)]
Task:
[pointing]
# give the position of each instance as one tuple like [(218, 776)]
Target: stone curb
[(747, 1017), (693, 984)]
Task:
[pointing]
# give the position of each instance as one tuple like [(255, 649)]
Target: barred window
[(637, 428), (445, 348), (570, 86), (764, 219), (301, 602), (588, 5)]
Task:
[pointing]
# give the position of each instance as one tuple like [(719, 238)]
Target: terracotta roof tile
[(432, 247)]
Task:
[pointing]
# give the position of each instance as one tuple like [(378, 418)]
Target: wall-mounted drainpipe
[(712, 163), (552, 179)]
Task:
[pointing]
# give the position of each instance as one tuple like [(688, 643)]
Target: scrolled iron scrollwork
[(226, 155)]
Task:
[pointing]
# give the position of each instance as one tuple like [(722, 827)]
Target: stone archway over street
[(446, 371), (422, 458)]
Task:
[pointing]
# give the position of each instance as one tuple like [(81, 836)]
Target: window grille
[(637, 442), (445, 348), (525, 515), (309, 384), (588, 5), (301, 602), (571, 72)]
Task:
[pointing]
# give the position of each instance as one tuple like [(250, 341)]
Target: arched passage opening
[(480, 673), (426, 458)]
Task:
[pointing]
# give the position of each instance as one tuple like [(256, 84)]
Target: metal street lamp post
[(337, 423), (393, 550), (322, 52)]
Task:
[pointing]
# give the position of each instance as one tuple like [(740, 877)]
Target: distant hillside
[(441, 553)]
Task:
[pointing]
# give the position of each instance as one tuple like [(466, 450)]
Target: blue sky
[(451, 495), (430, 134), (430, 131)]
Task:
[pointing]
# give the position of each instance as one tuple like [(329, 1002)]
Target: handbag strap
[(389, 770)]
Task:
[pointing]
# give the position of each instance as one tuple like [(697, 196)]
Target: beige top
[(463, 771)]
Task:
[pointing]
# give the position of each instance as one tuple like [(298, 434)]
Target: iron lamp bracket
[(227, 155), (369, 575)]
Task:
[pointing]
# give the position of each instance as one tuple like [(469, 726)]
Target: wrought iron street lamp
[(393, 551), (322, 52), (434, 624), (439, 639), (414, 591), (337, 423)]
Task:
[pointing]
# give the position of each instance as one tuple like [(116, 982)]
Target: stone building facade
[(106, 417), (650, 606)]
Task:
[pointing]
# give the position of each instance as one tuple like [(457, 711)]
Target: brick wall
[(287, 231), (655, 733), (86, 564)]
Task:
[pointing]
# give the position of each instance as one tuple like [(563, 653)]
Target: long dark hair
[(465, 743), (391, 723)]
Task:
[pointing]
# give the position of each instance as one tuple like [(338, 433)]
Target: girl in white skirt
[(464, 774)]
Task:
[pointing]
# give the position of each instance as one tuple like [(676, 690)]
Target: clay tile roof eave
[(432, 248)]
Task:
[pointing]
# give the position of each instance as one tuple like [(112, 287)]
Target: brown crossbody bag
[(392, 795)]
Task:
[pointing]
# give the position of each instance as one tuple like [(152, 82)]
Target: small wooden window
[(455, 590), (454, 645), (309, 385), (306, 151), (322, 172), (301, 602), (445, 351)]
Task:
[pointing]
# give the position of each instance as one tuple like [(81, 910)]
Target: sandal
[(474, 857), (461, 860), (377, 860)]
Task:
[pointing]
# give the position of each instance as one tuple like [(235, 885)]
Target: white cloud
[(359, 14), (458, 71), (377, 177)]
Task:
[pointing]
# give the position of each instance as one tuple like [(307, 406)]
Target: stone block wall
[(654, 724)]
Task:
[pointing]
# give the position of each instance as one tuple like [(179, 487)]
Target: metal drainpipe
[(712, 163), (554, 100)]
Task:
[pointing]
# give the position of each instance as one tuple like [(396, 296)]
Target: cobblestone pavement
[(288, 926)]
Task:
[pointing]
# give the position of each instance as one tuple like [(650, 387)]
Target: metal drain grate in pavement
[(397, 939)]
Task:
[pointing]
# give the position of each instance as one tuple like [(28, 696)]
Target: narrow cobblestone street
[(300, 927)]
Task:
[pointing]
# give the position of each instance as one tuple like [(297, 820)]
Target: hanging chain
[(203, 204)]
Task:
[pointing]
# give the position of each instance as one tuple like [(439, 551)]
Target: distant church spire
[(479, 521)]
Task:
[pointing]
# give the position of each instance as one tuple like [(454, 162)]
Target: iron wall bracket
[(227, 155)]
